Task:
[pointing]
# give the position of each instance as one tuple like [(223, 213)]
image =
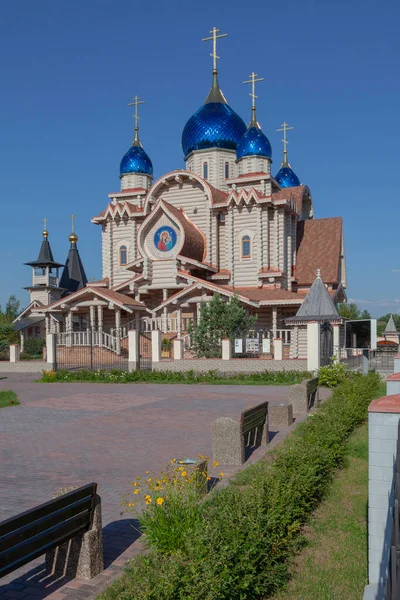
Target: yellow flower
[(136, 492), (173, 461), (160, 501), (208, 478), (135, 484), (183, 473), (150, 479), (148, 497), (215, 463), (181, 462), (131, 504), (148, 501), (147, 472), (221, 474)]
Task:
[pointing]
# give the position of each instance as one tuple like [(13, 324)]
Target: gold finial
[(285, 128), (214, 37), (45, 233), (73, 238), (135, 102)]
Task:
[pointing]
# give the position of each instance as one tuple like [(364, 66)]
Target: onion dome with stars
[(215, 124), (286, 177), (253, 142), (136, 160)]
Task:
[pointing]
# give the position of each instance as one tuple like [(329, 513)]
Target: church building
[(228, 223)]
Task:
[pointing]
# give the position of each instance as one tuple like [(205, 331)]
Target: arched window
[(123, 255), (246, 246), (226, 170), (205, 170)]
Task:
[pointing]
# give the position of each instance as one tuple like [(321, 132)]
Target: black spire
[(73, 277), (45, 258)]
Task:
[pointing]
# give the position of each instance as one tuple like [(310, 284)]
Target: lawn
[(8, 398), (333, 565)]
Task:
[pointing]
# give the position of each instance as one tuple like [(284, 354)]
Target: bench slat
[(253, 423), (34, 514), (23, 534), (27, 551)]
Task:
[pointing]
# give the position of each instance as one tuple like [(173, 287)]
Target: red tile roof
[(319, 243), (257, 294), (296, 193)]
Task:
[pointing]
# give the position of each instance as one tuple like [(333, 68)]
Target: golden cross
[(214, 37), (253, 79), (285, 128), (45, 224), (73, 217), (135, 102)]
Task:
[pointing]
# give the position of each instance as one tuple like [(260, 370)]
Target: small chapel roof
[(317, 305), (45, 257), (390, 327), (73, 277)]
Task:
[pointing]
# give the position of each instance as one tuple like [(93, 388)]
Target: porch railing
[(90, 338)]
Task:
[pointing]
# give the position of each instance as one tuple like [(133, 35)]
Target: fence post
[(226, 349), (278, 349), (51, 350), (336, 341), (133, 350), (178, 349), (156, 345), (14, 353), (313, 347)]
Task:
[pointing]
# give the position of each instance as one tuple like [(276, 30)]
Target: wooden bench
[(304, 395), (69, 517), (231, 437)]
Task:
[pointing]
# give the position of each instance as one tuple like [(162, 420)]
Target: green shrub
[(241, 546), (211, 377), (34, 346), (166, 344), (333, 374)]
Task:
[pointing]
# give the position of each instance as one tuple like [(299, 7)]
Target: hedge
[(248, 533)]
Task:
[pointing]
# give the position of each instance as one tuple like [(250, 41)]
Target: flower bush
[(167, 504)]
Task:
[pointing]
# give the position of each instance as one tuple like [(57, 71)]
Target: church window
[(226, 170), (205, 170), (246, 246), (123, 255)]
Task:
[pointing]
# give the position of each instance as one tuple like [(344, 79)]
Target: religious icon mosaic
[(165, 238)]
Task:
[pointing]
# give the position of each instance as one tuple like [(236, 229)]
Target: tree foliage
[(383, 321), (8, 335), (218, 319), (352, 311)]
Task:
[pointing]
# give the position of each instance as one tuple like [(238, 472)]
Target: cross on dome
[(253, 80), (285, 128), (135, 102), (45, 232), (214, 37)]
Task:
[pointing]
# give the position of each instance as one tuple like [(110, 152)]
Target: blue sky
[(68, 70)]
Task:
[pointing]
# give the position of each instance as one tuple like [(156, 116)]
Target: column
[(22, 339), (276, 238), (274, 321), (100, 324), (47, 322), (14, 353), (226, 349), (178, 349), (313, 347), (289, 260), (118, 329), (278, 349), (51, 350), (69, 328), (336, 341), (179, 322), (164, 320)]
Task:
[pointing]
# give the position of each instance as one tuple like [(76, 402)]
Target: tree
[(352, 311), (218, 319), (383, 321)]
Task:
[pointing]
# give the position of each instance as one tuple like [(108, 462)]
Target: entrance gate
[(90, 350), (145, 351), (326, 343)]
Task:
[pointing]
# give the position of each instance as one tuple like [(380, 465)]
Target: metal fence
[(369, 360), (88, 350)]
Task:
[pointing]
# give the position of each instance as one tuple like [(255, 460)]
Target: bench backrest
[(311, 385), (36, 531), (254, 417)]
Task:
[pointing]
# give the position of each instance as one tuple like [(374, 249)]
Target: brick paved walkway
[(65, 434)]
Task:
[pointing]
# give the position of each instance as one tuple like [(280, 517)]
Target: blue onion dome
[(136, 160), (286, 177), (254, 142), (214, 125)]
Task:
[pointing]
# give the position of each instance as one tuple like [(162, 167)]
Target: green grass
[(333, 566), (187, 377), (8, 398)]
